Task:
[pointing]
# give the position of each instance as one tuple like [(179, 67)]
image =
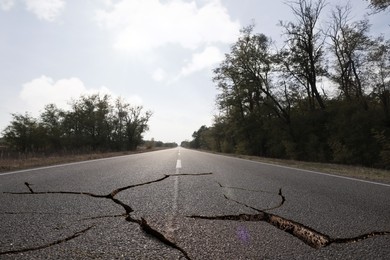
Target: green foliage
[(159, 144), (185, 144), (351, 137), (24, 133), (201, 139), (93, 123), (383, 138)]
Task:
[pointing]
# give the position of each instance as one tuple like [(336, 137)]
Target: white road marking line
[(171, 223), (178, 165), (176, 187), (175, 194)]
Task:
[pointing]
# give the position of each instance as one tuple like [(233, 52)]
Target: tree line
[(93, 123), (149, 144), (323, 96)]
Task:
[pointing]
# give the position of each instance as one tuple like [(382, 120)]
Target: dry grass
[(363, 173), (371, 174), (33, 162)]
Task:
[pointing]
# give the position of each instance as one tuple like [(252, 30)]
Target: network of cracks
[(307, 235)]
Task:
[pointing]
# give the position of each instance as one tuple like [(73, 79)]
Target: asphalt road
[(183, 204)]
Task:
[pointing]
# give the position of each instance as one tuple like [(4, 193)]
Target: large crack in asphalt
[(60, 241), (144, 225), (280, 194), (308, 235), (148, 229)]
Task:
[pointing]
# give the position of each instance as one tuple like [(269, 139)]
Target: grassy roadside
[(358, 172), (364, 173), (7, 165)]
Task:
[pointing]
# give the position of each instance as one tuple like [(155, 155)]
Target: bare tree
[(379, 59), (379, 5), (245, 77), (350, 45), (303, 54)]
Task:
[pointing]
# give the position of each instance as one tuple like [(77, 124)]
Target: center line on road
[(178, 165), (171, 223), (175, 194)]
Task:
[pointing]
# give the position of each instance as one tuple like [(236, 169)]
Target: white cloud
[(140, 25), (133, 100), (6, 5), (44, 90), (203, 60), (159, 75), (47, 10)]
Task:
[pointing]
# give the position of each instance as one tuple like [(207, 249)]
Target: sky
[(156, 53)]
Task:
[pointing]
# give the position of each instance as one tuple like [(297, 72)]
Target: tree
[(245, 76), (350, 47), (136, 124), (52, 119), (185, 144), (250, 93), (119, 123), (303, 55), (379, 5), (270, 105), (379, 64), (129, 123), (103, 121), (24, 133), (89, 124), (92, 123), (200, 138)]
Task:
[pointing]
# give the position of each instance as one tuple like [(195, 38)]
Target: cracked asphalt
[(183, 204)]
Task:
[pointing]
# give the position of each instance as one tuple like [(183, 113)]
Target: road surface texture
[(184, 204)]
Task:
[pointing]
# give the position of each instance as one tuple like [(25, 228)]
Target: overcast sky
[(155, 53)]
